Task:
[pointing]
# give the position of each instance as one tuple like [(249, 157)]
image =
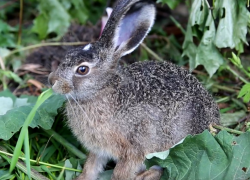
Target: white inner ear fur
[(147, 15), (87, 47)]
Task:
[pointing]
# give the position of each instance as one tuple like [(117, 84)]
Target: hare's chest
[(91, 124)]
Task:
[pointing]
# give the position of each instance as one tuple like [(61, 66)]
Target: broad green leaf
[(7, 93), (229, 119), (79, 12), (4, 52), (5, 105), (53, 17), (68, 174), (41, 25), (207, 54), (197, 18), (3, 172), (233, 19), (206, 157), (72, 163), (171, 3), (189, 48), (66, 4), (245, 93), (199, 13), (5, 175), (13, 120), (106, 175), (162, 155), (240, 28), (7, 39), (24, 130), (11, 75)]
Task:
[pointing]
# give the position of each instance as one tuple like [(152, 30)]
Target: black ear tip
[(139, 5)]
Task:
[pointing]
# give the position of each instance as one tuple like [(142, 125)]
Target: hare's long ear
[(128, 25)]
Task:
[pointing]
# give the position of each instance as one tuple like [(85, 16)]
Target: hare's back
[(162, 79), (177, 96)]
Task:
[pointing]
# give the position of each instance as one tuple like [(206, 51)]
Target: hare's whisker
[(71, 107), (79, 105)]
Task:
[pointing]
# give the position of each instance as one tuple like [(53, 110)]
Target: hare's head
[(87, 70)]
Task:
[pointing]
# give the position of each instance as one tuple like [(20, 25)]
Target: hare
[(124, 113)]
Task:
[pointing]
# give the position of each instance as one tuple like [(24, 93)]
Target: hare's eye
[(82, 70)]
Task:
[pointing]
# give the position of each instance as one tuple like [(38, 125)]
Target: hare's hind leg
[(154, 173), (92, 167), (127, 169)]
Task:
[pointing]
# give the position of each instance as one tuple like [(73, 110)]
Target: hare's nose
[(51, 79)]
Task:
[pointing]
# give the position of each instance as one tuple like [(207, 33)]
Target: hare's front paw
[(154, 173)]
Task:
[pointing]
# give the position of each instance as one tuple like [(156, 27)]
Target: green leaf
[(13, 120), (189, 48), (41, 25), (6, 104), (5, 175), (233, 20), (11, 75), (68, 174), (72, 163), (106, 175), (236, 60), (171, 3), (7, 38), (3, 172), (199, 13), (207, 54), (79, 12), (53, 17), (229, 119), (4, 52), (206, 157), (245, 93), (24, 131)]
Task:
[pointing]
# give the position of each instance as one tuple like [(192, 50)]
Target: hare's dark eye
[(82, 70)]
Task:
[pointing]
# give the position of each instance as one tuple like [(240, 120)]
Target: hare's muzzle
[(59, 85)]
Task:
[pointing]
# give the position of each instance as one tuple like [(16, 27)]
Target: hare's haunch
[(124, 113)]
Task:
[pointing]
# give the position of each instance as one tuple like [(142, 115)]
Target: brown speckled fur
[(124, 113)]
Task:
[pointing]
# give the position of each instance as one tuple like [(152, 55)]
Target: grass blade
[(27, 153), (66, 144), (45, 95)]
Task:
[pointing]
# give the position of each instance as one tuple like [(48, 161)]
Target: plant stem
[(66, 144), (42, 163), (44, 44), (4, 81), (20, 23), (7, 4), (236, 74), (225, 99), (151, 52), (225, 88), (177, 24), (227, 129), (247, 73), (20, 165)]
